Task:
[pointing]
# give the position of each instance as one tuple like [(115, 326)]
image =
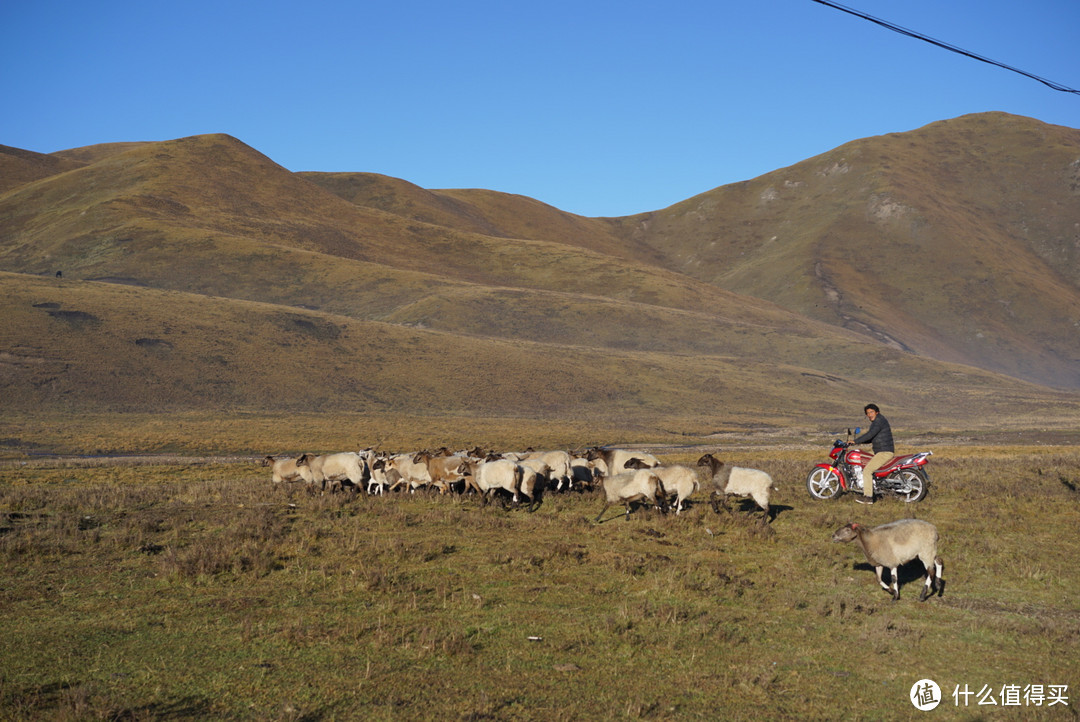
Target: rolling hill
[(934, 271)]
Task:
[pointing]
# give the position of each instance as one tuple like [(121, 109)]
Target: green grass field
[(200, 590)]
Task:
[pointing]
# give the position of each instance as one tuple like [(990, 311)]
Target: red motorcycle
[(904, 477)]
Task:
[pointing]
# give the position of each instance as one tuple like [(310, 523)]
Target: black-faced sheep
[(583, 473), (614, 460), (896, 543), (383, 476), (727, 481)]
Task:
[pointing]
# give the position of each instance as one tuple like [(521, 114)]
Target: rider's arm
[(875, 427)]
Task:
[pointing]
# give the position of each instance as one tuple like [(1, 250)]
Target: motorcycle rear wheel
[(915, 484), (823, 483)]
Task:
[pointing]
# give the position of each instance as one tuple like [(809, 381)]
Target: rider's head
[(871, 408)]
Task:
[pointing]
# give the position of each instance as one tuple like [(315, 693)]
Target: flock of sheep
[(626, 477)]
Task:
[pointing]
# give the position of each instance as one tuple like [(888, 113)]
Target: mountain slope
[(19, 167), (959, 241), (484, 212)]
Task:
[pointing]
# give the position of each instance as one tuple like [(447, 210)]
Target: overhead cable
[(946, 46)]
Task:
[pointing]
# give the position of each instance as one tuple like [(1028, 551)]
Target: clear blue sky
[(598, 108)]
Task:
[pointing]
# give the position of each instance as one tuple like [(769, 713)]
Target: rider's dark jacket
[(880, 434)]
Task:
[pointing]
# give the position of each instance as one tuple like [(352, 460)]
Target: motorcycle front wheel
[(823, 483), (912, 485)]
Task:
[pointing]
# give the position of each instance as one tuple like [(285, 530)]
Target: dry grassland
[(194, 591)]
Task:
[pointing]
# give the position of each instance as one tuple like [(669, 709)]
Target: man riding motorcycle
[(879, 436)]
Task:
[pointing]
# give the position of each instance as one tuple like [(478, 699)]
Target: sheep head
[(846, 533), (710, 461)]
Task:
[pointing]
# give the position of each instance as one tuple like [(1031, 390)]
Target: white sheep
[(680, 481), (896, 543), (285, 469), (414, 474), (558, 463), (631, 486), (736, 481), (335, 468), (498, 474)]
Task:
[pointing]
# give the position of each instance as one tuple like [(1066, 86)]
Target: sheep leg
[(723, 502), (602, 511), (927, 585), (934, 583), (894, 572), (881, 581)]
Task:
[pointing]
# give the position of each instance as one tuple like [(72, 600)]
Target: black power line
[(946, 46)]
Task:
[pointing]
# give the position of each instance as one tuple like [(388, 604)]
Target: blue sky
[(598, 108)]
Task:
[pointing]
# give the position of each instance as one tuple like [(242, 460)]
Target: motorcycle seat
[(891, 465)]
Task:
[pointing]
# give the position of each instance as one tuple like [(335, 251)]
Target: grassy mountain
[(958, 241), (199, 274)]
